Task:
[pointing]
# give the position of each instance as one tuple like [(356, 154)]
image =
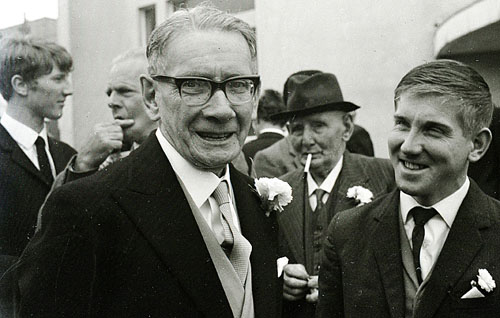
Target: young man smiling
[(415, 251)]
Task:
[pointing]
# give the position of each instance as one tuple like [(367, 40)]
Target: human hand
[(104, 139), (313, 294), (295, 280)]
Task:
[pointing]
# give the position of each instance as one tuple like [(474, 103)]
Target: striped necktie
[(239, 254)]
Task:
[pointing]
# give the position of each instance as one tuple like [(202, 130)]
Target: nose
[(411, 143), (116, 104), (219, 107), (307, 137), (68, 88)]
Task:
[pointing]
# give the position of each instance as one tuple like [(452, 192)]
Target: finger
[(124, 123), (297, 271), (313, 282), (294, 293), (312, 297), (291, 297), (294, 282)]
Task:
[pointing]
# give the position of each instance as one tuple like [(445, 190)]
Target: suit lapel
[(292, 219), (58, 155), (258, 229), (352, 174), (18, 156), (155, 202), (387, 251), (457, 253)]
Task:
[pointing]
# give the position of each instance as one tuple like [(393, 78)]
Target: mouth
[(412, 166), (213, 136)]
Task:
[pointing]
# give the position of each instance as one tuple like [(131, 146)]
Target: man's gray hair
[(202, 17), (131, 54)]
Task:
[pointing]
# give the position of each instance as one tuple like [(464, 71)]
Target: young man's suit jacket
[(22, 191), (124, 243), (374, 174), (362, 270)]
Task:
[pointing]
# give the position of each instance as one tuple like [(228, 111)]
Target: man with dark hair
[(431, 247), (320, 125), (172, 230), (34, 82), (268, 130)]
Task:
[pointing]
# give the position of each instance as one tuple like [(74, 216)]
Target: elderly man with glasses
[(173, 229)]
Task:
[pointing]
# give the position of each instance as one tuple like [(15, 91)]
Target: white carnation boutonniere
[(274, 193), (361, 195), (482, 286)]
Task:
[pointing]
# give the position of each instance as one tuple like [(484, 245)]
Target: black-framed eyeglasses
[(196, 91)]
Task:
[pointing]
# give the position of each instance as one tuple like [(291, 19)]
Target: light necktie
[(43, 160), (420, 217), (239, 255), (319, 199)]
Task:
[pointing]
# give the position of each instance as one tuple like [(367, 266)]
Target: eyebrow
[(120, 88)]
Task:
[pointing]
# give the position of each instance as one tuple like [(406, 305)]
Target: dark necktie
[(319, 199), (420, 217), (43, 160)]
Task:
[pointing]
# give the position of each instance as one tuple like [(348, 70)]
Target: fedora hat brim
[(339, 106)]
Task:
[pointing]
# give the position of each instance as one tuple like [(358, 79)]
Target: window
[(147, 22)]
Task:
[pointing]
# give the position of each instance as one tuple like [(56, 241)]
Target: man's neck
[(22, 114)]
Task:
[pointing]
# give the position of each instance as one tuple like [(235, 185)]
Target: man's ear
[(349, 127), (19, 85), (480, 143), (148, 96)]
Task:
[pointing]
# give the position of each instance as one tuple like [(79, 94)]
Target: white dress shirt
[(437, 228), (25, 137), (273, 130), (200, 185), (326, 185)]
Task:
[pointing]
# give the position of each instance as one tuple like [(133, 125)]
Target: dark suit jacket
[(124, 243), (374, 174), (362, 270), (276, 160), (486, 172), (262, 142), (22, 191)]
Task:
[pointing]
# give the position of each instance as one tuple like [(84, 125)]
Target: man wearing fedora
[(320, 124), (280, 158)]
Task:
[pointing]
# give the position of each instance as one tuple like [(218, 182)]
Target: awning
[(475, 29)]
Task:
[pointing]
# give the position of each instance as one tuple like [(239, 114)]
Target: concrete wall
[(369, 45)]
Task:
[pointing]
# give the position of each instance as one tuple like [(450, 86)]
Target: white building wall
[(368, 45)]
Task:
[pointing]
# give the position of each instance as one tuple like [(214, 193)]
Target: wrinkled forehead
[(206, 49)]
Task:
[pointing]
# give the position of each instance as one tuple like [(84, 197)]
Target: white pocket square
[(472, 293), (281, 262)]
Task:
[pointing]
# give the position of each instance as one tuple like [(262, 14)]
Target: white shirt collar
[(200, 184), (329, 182), (24, 136), (447, 207), (272, 130)]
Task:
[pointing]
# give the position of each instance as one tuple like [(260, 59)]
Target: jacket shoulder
[(360, 219)]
